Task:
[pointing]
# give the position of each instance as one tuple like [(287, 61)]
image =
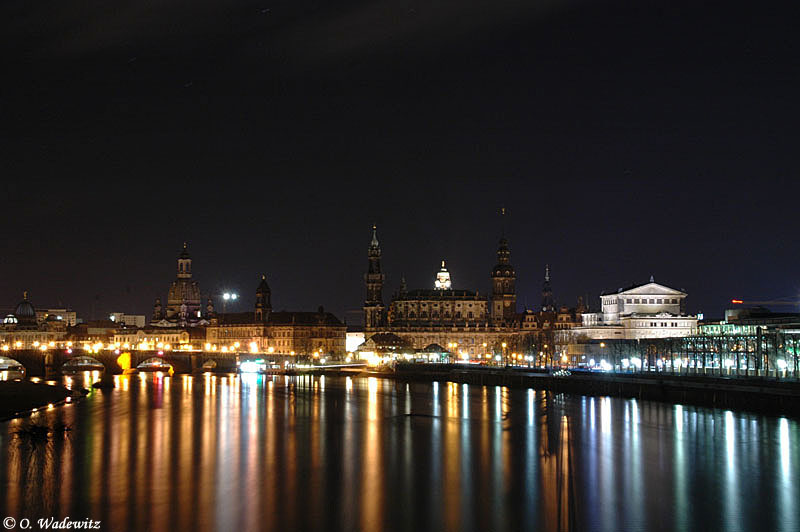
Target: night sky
[(625, 139)]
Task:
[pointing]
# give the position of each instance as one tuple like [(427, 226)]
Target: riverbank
[(759, 394), (20, 397)]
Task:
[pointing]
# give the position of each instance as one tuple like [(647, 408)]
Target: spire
[(502, 222), (548, 302), (374, 243), (374, 278), (652, 279)]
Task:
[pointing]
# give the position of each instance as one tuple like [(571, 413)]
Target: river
[(338, 453)]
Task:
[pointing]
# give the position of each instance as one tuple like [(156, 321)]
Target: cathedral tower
[(184, 291), (373, 305), (548, 302), (504, 295), (263, 300)]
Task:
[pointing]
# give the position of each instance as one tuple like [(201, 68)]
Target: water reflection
[(221, 452)]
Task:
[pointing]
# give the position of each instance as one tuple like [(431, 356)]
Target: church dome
[(25, 311), (443, 281)]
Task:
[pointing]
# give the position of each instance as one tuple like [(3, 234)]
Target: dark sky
[(625, 138)]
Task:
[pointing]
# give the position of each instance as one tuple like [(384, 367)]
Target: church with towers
[(468, 323), (184, 303), (260, 330)]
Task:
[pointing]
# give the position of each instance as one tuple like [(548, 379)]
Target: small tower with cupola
[(263, 300)]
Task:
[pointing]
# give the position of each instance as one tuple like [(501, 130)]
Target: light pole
[(228, 296), (602, 351)]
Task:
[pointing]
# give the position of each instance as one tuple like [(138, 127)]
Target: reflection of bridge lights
[(252, 367)]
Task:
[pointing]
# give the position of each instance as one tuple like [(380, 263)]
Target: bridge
[(46, 363)]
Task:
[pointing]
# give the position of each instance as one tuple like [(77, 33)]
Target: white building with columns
[(649, 310)]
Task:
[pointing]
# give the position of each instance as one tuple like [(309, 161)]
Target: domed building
[(25, 313), (184, 302), (22, 329)]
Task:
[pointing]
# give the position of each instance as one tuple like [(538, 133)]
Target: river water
[(337, 453)]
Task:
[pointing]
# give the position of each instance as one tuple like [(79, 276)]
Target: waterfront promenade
[(765, 394)]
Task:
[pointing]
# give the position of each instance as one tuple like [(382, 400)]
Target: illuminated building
[(127, 320), (159, 338), (648, 310), (26, 328), (281, 333), (68, 316), (471, 323), (184, 303)]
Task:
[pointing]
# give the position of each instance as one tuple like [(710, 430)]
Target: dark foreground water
[(321, 453)]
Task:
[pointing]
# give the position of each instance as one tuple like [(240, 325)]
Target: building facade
[(469, 323), (160, 338), (25, 328), (648, 310), (318, 333), (128, 320), (184, 306)]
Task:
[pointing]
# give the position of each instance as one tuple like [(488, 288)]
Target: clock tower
[(504, 295), (373, 305)]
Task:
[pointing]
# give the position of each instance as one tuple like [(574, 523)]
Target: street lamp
[(603, 351), (228, 296)]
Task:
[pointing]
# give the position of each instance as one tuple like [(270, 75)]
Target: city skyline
[(389, 265), (416, 277)]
